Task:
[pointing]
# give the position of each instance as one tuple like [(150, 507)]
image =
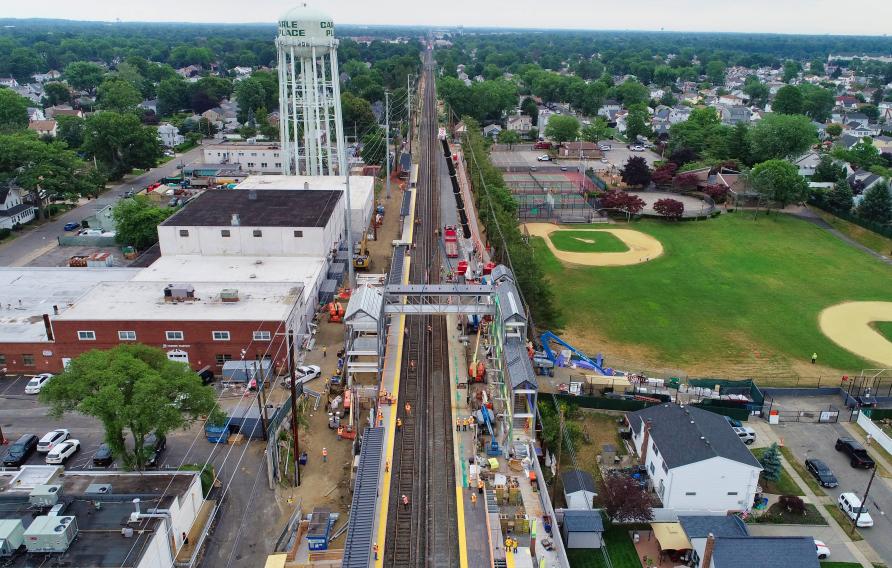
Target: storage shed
[(582, 529)]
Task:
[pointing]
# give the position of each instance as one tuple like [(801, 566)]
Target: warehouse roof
[(258, 208)]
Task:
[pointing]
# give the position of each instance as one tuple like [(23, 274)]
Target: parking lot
[(522, 157), (811, 440)]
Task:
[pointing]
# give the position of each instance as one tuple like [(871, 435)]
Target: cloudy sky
[(871, 17)]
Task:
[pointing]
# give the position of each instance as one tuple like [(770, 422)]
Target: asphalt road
[(26, 246), (809, 440)]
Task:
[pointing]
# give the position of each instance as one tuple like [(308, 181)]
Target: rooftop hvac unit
[(12, 536), (179, 293), (50, 534), (97, 489), (45, 495), (229, 295)]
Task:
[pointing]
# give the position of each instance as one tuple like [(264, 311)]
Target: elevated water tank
[(50, 534), (305, 28)]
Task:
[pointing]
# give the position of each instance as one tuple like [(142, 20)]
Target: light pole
[(864, 501)]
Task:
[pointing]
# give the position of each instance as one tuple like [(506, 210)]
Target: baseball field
[(731, 296)]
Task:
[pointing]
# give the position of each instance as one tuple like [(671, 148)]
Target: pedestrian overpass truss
[(434, 299)]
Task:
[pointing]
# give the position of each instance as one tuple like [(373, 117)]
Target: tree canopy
[(779, 136), (130, 388), (779, 181), (120, 142), (876, 205), (562, 128), (137, 220), (13, 111)]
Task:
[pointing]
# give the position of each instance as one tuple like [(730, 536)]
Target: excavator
[(362, 260)]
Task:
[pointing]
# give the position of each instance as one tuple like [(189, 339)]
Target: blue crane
[(548, 337), (493, 444)]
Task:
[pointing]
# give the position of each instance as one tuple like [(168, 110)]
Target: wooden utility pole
[(560, 443), (294, 407)]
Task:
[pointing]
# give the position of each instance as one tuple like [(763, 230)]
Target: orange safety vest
[(340, 430), (324, 451)]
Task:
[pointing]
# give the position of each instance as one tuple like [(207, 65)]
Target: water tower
[(310, 124)]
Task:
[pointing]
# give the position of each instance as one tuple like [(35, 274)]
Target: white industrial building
[(261, 157), (695, 460), (362, 193)]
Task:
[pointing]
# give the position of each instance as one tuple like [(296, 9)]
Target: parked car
[(734, 422), (637, 148), (51, 439), (72, 226), (822, 549), (746, 435), (605, 161), (544, 158), (103, 456), (18, 453), (851, 505), (153, 446), (60, 454), (304, 374), (856, 452), (605, 147), (36, 383), (542, 146), (821, 472), (127, 194)]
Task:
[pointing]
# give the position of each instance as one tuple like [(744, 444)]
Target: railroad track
[(423, 533)]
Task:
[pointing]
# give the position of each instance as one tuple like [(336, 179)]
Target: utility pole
[(557, 464), (864, 501), (261, 402), (294, 407), (409, 110), (387, 138), (349, 219)]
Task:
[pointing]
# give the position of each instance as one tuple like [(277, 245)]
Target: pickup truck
[(856, 452)]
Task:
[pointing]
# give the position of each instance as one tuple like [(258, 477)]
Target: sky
[(871, 17)]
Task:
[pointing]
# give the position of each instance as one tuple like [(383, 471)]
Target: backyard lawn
[(587, 241), (783, 486), (731, 294), (619, 547)]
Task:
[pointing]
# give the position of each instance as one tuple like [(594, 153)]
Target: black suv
[(19, 452), (153, 446), (856, 452), (103, 456), (821, 472)]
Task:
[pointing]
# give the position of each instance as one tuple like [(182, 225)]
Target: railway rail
[(423, 533)]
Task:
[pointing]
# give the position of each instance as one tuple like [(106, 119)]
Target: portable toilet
[(319, 529)]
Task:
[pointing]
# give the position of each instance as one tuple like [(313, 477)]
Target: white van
[(850, 504)]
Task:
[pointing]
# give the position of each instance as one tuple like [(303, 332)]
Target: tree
[(638, 123), (22, 63), (622, 201), (529, 108), (877, 204), (757, 91), (816, 67), (509, 137), (13, 111), (373, 149), (771, 463), (71, 130), (669, 208), (862, 155), (788, 100), (817, 102), (597, 130), (739, 143), (632, 92), (118, 95), (718, 193), (828, 171), (791, 70), (251, 95), (663, 175), (872, 112), (625, 500), (781, 136), (83, 75), (120, 142), (636, 172), (207, 93), (562, 128), (834, 130), (840, 197), (715, 72), (686, 182), (173, 96), (56, 93), (134, 388), (136, 221), (779, 181), (357, 113), (682, 156), (792, 504)]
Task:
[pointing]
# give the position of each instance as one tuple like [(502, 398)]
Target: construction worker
[(386, 466), (405, 502), (458, 422), (430, 329), (375, 550), (480, 486), (507, 544), (474, 499), (514, 545), (412, 364), (324, 455), (340, 432), (399, 424), (380, 418), (408, 409), (324, 351)]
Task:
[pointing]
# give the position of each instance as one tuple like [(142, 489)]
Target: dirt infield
[(642, 247), (848, 325)]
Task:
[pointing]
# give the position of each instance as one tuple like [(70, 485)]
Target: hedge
[(884, 230)]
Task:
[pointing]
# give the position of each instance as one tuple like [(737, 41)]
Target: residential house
[(150, 105), (657, 93), (579, 489), (189, 71), (519, 123), (694, 458), (44, 127), (860, 130), (582, 529), (699, 527), (807, 163), (679, 114), (14, 209), (51, 75), (170, 135), (242, 71), (35, 113), (775, 86), (582, 150), (883, 144), (8, 82), (609, 109), (732, 115), (860, 182), (63, 110), (492, 130), (858, 118), (725, 542), (214, 116), (847, 102), (731, 100), (847, 141)]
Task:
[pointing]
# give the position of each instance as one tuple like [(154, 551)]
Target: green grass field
[(885, 328), (578, 241), (619, 547), (730, 291)]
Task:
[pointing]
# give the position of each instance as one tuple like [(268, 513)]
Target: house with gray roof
[(699, 527), (582, 529), (695, 460), (579, 489), (760, 552)]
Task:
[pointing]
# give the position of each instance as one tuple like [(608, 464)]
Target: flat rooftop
[(28, 293), (144, 301), (279, 208), (359, 185), (233, 270)]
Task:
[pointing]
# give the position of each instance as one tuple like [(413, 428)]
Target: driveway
[(33, 242)]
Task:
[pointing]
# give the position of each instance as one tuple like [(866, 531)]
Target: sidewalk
[(861, 550)]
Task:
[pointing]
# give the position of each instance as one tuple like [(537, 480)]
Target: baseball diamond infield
[(848, 325), (642, 247)]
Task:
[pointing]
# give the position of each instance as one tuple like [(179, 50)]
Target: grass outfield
[(730, 290), (885, 328), (578, 241)]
